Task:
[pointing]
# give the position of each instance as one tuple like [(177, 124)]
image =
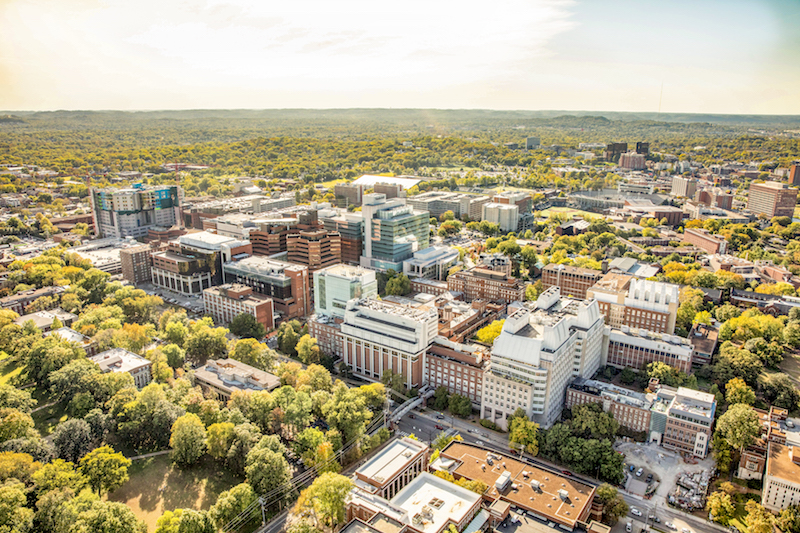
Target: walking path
[(146, 455)]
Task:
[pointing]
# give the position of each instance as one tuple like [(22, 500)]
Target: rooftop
[(43, 319), (229, 375), (370, 180), (431, 502), (780, 464), (391, 460), (119, 360)]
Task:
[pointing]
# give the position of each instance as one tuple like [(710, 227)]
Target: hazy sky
[(720, 56)]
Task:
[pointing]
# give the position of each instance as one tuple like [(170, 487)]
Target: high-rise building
[(632, 161), (637, 303), (542, 346), (614, 150), (794, 174), (315, 249), (573, 281), (350, 228), (532, 143), (226, 302), (642, 148), (458, 367), (379, 336), (772, 199), (131, 212), (136, 267), (286, 283), (684, 187), (521, 199), (348, 194), (336, 285), (393, 231), (506, 216)]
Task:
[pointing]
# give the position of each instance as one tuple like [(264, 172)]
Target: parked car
[(639, 472), (439, 426), (628, 527), (479, 442), (412, 415), (669, 525), (632, 468), (484, 434), (649, 478), (635, 511), (440, 417), (686, 530)]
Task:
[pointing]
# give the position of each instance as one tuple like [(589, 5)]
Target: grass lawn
[(8, 368), (791, 365), (196, 488), (738, 519), (569, 211), (45, 420)]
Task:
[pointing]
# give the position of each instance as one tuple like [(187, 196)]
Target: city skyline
[(737, 57)]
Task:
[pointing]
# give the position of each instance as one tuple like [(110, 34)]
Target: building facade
[(221, 377), (315, 249), (136, 264), (572, 281), (772, 199), (484, 284), (705, 240), (635, 348), (226, 302), (458, 367), (131, 212), (121, 360), (338, 284), (690, 418), (637, 303), (433, 262), (631, 409), (684, 187), (506, 216)]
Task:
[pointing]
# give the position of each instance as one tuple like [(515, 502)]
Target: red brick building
[(226, 302), (484, 284), (573, 281)]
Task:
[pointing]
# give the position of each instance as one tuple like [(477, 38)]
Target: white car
[(628, 527), (669, 525), (637, 512), (686, 530)]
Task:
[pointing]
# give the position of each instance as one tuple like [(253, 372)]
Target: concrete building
[(690, 418), (459, 367), (428, 504), (348, 194), (572, 281), (714, 198), (705, 240), (392, 232), (433, 262), (222, 377), (541, 348), (635, 348), (631, 409), (120, 360), (43, 320), (136, 264), (482, 284), (336, 285), (130, 212), (379, 336), (794, 174), (68, 334), (439, 202), (560, 500), (315, 249), (287, 284), (226, 302), (782, 477), (521, 199), (684, 187), (637, 303), (632, 161), (497, 262), (506, 216), (774, 428), (193, 262), (394, 467), (772, 199)]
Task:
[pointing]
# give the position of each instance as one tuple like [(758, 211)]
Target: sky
[(694, 56)]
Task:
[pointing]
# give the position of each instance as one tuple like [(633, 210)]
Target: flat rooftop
[(119, 360), (545, 502), (431, 502), (780, 464), (391, 460)]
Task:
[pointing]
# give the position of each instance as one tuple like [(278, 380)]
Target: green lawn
[(8, 368), (45, 420), (738, 519), (156, 486)]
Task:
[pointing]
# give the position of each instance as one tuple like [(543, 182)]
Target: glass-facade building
[(393, 231), (336, 285)]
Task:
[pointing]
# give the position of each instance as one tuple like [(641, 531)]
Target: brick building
[(286, 283), (772, 199), (315, 249), (484, 284), (636, 348), (459, 367), (637, 303), (226, 302), (136, 264), (631, 409), (573, 281), (704, 239)]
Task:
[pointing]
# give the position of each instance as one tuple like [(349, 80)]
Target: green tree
[(759, 519), (105, 469), (522, 433), (230, 503), (307, 350), (109, 517), (614, 506), (253, 353), (72, 439), (218, 439), (398, 286), (266, 470), (739, 426), (737, 391), (325, 499), (440, 398), (460, 405), (590, 421), (185, 521), (14, 398), (245, 325), (488, 334), (176, 356), (57, 475), (14, 516), (720, 507), (788, 520), (347, 411), (188, 439), (206, 342)]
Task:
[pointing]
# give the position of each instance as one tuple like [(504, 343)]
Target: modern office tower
[(315, 249), (543, 346), (136, 267), (433, 262), (348, 194), (684, 187), (226, 302), (393, 231), (632, 161), (506, 216), (573, 281), (705, 240), (286, 283), (637, 303), (614, 150), (484, 284), (642, 148), (336, 285), (193, 262), (380, 336), (772, 199), (350, 228), (131, 212)]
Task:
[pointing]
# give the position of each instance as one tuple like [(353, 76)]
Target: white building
[(541, 348), (504, 215), (432, 263), (336, 285), (121, 360), (132, 211), (683, 187), (379, 336)]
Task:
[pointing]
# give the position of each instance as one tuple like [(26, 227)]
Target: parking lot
[(192, 304)]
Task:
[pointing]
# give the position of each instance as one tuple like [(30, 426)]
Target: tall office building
[(506, 216), (338, 284), (541, 348), (132, 211), (684, 187), (350, 227), (285, 283), (315, 249), (632, 161), (772, 199), (393, 231)]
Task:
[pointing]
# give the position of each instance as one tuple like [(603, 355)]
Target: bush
[(490, 425)]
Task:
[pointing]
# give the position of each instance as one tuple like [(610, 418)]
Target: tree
[(253, 353), (613, 505), (720, 506), (779, 390), (14, 516), (534, 290), (524, 434), (739, 426), (206, 342), (703, 317), (14, 398), (15, 424), (400, 285), (105, 469), (245, 325), (109, 517), (57, 475), (188, 440), (759, 519), (307, 350), (218, 439), (73, 378), (590, 421), (460, 405), (72, 439), (440, 398), (737, 391), (488, 334), (176, 356), (185, 521), (287, 339), (19, 466), (346, 411), (325, 499), (266, 470), (230, 503), (788, 520)]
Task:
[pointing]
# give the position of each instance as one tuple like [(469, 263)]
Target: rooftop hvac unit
[(535, 485), (563, 494)]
